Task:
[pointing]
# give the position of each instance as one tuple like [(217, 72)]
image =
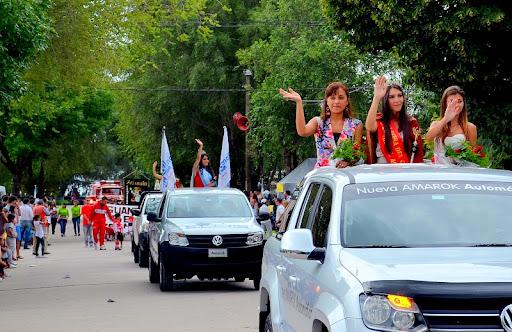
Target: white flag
[(225, 167), (168, 177)]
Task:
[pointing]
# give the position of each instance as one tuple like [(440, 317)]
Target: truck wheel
[(256, 282), (268, 323), (143, 257), (166, 278), (154, 274), (135, 250)]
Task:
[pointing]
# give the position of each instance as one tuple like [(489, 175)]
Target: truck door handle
[(280, 268)]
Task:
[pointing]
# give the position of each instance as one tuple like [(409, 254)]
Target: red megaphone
[(241, 121)]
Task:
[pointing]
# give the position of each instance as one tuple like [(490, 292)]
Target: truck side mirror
[(152, 217), (136, 212), (298, 244)]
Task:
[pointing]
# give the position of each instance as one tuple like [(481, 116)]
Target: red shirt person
[(86, 213), (99, 212)]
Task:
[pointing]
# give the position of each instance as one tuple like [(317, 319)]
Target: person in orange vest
[(99, 212)]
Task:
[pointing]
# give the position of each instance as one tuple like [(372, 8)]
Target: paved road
[(80, 289)]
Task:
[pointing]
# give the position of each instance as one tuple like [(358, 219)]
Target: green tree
[(442, 43), (171, 77), (303, 52), (24, 31), (61, 123)]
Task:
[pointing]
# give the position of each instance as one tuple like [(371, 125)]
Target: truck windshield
[(111, 191), (152, 204), (427, 214), (208, 206)]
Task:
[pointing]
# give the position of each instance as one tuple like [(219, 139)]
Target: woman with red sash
[(393, 135), (202, 173)]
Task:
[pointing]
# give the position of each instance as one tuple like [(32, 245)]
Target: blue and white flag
[(166, 167), (225, 166)]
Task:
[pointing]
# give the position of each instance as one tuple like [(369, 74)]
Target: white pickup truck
[(393, 248)]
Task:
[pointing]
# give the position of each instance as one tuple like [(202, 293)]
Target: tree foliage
[(60, 123), (170, 80), (24, 31), (442, 43), (302, 52)]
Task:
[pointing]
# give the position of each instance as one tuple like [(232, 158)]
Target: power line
[(181, 89), (227, 25)]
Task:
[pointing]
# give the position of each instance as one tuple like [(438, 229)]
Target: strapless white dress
[(456, 141)]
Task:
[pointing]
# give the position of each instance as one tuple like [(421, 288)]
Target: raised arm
[(436, 127), (198, 158), (303, 129), (155, 173), (379, 91)]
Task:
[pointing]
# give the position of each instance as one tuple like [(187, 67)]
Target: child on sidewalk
[(118, 229), (12, 235), (38, 226)]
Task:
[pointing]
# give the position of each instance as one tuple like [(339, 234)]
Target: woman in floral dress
[(335, 123)]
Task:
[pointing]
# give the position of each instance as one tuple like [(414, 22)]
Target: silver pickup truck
[(393, 248)]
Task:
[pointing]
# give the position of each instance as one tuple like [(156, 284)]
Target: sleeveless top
[(324, 138), (456, 141), (202, 178)]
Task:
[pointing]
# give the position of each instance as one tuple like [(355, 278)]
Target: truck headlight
[(254, 239), (391, 313), (178, 239)]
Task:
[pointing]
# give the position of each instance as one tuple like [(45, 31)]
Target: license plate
[(213, 253)]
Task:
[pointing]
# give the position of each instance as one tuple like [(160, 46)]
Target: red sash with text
[(397, 153)]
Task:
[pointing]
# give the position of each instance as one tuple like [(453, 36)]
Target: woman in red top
[(202, 173), (393, 135)]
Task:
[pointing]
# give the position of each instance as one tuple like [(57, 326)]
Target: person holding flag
[(168, 180), (225, 167), (202, 173)]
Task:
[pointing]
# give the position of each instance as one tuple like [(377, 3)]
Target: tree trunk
[(16, 182)]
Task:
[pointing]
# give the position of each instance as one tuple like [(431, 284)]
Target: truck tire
[(256, 282), (154, 275), (268, 323), (166, 278), (135, 250), (143, 257)]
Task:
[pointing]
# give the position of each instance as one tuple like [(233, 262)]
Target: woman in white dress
[(453, 129)]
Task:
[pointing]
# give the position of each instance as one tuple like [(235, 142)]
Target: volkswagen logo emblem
[(506, 318), (217, 241)]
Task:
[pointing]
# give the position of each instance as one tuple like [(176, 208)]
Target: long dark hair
[(208, 168), (331, 89), (403, 120)]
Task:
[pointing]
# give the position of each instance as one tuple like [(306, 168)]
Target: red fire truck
[(111, 189)]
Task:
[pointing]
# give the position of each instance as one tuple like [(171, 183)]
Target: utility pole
[(248, 75)]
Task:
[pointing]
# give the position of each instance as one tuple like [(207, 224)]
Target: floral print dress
[(324, 138)]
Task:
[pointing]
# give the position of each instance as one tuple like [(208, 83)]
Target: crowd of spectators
[(23, 222), (271, 204)]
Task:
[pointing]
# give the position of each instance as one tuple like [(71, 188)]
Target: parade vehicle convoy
[(393, 248), (140, 245), (111, 189), (210, 233)]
